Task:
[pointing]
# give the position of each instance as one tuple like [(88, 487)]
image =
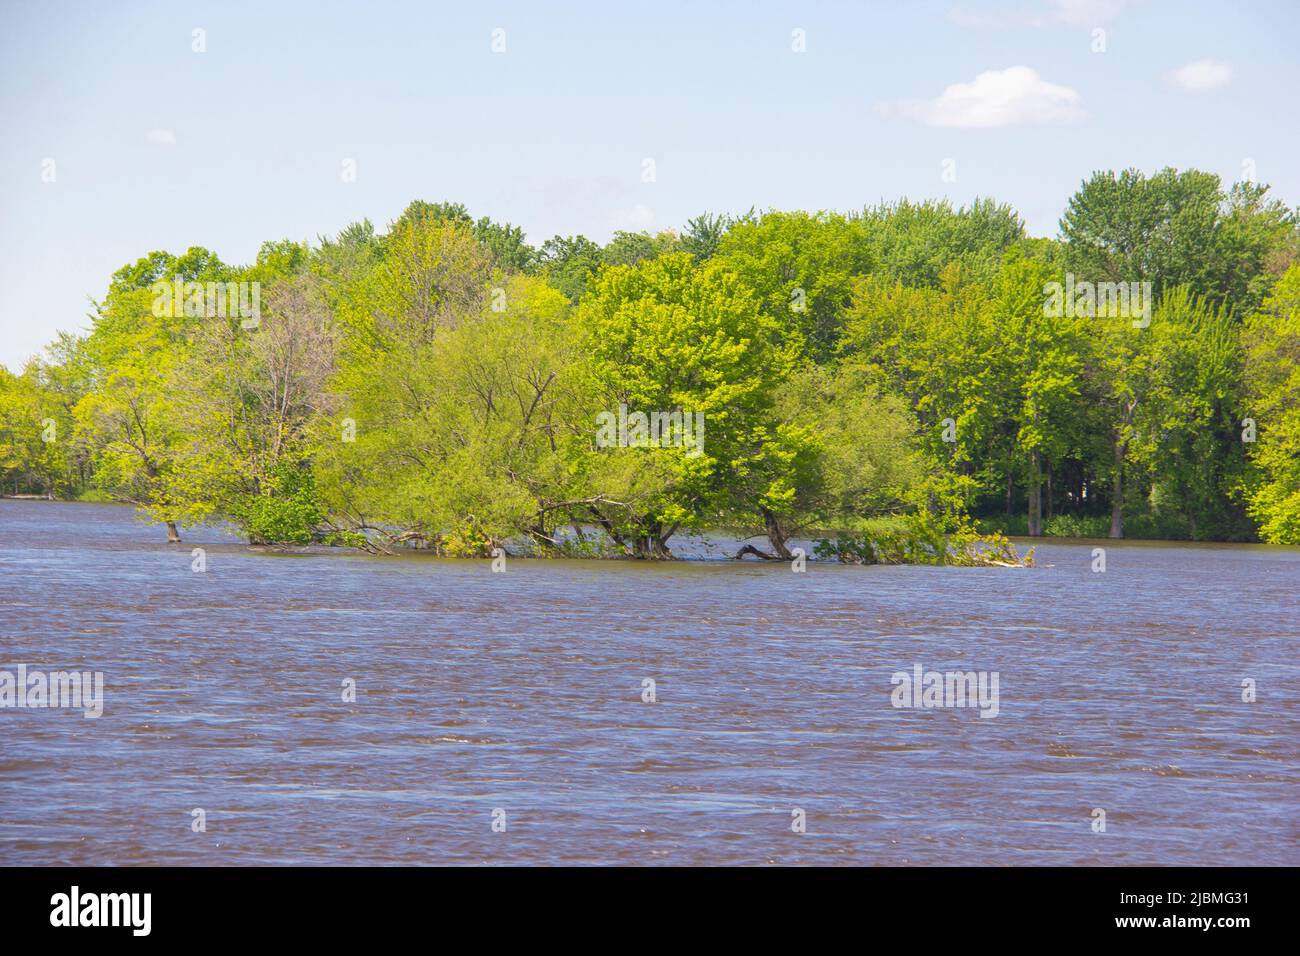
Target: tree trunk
[(656, 549), (776, 535), (173, 535), (1117, 493), (652, 544), (1035, 496)]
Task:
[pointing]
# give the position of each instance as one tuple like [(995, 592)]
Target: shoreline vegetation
[(886, 541), (929, 379)]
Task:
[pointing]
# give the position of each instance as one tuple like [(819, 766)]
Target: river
[(503, 717)]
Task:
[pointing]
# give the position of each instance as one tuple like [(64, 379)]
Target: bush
[(96, 496), (1016, 525), (466, 540), (922, 540), (289, 510), (1077, 526)]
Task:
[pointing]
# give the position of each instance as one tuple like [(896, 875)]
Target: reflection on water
[(522, 692)]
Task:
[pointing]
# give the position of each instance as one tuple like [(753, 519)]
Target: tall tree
[(802, 266), (1272, 348), (668, 337)]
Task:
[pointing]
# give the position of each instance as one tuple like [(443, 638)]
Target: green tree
[(629, 248), (841, 452), (940, 350), (667, 337), (37, 455), (568, 263), (703, 235), (249, 415), (1180, 228), (468, 429), (802, 266), (1044, 355), (913, 243), (1272, 350), (1259, 238), (127, 423)]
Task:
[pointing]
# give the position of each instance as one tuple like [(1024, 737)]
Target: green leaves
[(442, 382), (286, 508), (1271, 339), (668, 336), (1177, 228), (801, 266)]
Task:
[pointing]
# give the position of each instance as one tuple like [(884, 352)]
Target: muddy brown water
[(522, 692)]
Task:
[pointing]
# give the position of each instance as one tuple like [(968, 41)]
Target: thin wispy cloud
[(161, 137), (1201, 75), (996, 98), (1089, 13), (1045, 13)]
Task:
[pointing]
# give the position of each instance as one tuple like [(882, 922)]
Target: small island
[(921, 379)]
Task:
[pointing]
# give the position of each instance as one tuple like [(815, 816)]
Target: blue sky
[(156, 146)]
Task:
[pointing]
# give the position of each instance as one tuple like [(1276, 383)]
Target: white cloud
[(995, 98), (1201, 75), (161, 137)]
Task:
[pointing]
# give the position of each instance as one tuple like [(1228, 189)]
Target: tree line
[(895, 377)]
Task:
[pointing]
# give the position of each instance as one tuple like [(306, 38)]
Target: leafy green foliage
[(885, 379), (669, 336), (1175, 228), (286, 509), (1272, 345), (568, 263)]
